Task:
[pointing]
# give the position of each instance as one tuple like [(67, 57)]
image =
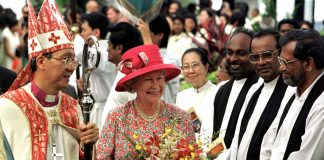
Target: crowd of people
[(266, 103)]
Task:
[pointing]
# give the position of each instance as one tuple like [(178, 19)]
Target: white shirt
[(178, 44), (201, 100), (314, 130)]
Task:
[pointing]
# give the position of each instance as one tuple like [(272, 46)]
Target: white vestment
[(16, 128), (312, 138), (240, 152), (201, 100)]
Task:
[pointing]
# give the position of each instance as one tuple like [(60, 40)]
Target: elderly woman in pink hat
[(147, 115)]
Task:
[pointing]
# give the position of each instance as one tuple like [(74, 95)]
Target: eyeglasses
[(284, 62), (266, 56), (194, 66), (68, 62)]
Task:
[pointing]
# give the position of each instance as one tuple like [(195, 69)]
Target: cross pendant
[(55, 154)]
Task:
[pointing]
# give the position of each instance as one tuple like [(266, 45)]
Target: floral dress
[(123, 123)]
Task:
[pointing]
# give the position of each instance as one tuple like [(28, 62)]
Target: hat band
[(34, 45), (52, 39)]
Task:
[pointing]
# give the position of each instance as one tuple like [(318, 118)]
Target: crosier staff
[(88, 58)]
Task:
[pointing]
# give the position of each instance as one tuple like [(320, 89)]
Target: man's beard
[(297, 78)]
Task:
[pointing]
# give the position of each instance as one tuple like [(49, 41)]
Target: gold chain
[(145, 116)]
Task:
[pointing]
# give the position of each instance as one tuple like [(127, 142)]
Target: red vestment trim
[(37, 118)]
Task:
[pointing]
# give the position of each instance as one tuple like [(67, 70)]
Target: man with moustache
[(230, 97), (299, 129), (261, 107)]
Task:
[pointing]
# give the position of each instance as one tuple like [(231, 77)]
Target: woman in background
[(200, 98)]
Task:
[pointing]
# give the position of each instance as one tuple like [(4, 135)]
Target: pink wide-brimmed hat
[(47, 33), (141, 60)]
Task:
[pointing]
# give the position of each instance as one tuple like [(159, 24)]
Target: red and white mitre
[(47, 34)]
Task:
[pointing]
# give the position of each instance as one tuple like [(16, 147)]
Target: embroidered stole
[(39, 127), (298, 130), (220, 104)]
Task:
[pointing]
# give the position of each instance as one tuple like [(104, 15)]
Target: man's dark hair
[(97, 20), (311, 25), (33, 61), (12, 22), (155, 27), (240, 30), (209, 11), (242, 7), (191, 8), (309, 44), (237, 19), (193, 17), (287, 21), (3, 22), (176, 2), (271, 32), (126, 35), (178, 17)]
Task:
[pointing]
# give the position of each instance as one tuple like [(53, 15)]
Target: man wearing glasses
[(261, 106), (230, 97), (37, 120), (298, 131)]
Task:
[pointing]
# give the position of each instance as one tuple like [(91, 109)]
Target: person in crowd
[(195, 66), (113, 14), (298, 131), (23, 21), (190, 25), (305, 25), (179, 38), (242, 8), (102, 78), (263, 101), (146, 115), (255, 16), (119, 42), (230, 97), (11, 41), (92, 6), (174, 6), (208, 34), (226, 9), (37, 120), (7, 80), (223, 73), (286, 25)]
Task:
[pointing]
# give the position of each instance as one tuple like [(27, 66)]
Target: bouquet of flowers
[(169, 146)]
